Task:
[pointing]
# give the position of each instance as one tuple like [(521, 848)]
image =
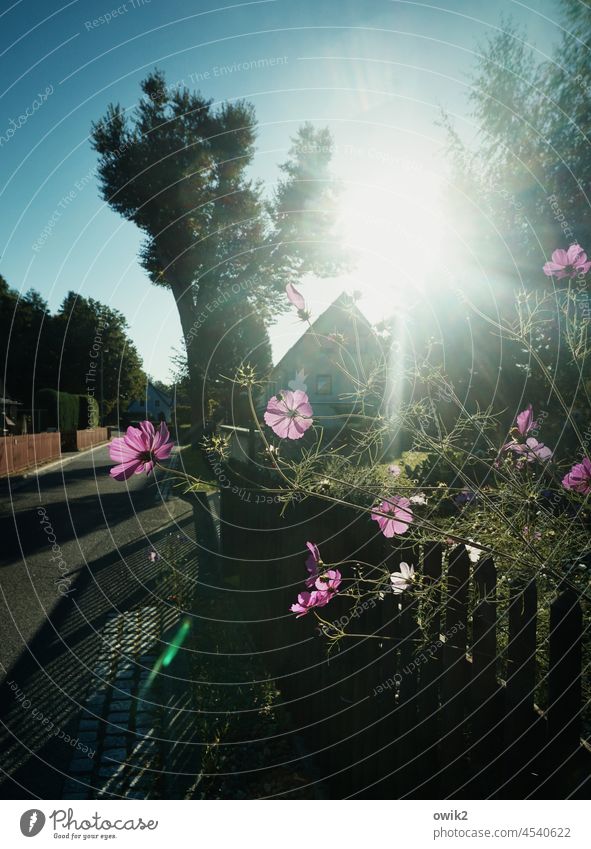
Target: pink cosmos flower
[(295, 297), (139, 449), (525, 421), (312, 563), (306, 601), (579, 477), (402, 580), (289, 414), (394, 470), (314, 555), (322, 597), (567, 263), (532, 450), (401, 515), (330, 581)]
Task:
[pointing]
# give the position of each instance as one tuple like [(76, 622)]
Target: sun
[(394, 227)]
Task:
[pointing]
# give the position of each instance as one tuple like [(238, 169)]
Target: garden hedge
[(89, 412), (60, 409)]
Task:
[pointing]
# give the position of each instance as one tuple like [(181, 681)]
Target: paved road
[(74, 573), (55, 527)]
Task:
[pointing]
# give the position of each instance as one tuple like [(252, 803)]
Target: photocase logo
[(32, 822)]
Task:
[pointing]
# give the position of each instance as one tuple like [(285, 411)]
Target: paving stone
[(118, 755), (120, 718), (143, 786), (124, 674), (108, 771), (87, 736), (114, 741), (95, 703), (123, 688), (147, 707), (123, 705)]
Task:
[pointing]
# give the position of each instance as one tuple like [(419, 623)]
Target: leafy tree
[(178, 168), (529, 169), (66, 351), (94, 348), (520, 190), (27, 356), (245, 341)]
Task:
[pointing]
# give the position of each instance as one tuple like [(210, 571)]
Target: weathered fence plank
[(454, 685), (564, 676), (430, 672), (485, 693), (521, 662), (484, 633)]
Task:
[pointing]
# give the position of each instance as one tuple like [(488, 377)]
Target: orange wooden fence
[(21, 452), (18, 453), (93, 436)]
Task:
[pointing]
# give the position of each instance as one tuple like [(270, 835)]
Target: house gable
[(331, 360), (152, 404)]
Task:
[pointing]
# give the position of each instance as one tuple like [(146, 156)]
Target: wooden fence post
[(484, 633), (430, 674), (454, 690), (520, 718), (564, 677), (485, 701)]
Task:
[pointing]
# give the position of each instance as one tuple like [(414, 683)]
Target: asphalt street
[(55, 527), (74, 554)]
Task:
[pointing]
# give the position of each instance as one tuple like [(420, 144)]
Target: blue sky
[(375, 71)]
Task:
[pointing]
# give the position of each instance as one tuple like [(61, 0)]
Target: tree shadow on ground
[(56, 672)]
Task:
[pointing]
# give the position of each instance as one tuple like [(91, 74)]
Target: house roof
[(344, 309), (166, 398)]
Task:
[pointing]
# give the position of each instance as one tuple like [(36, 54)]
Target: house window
[(323, 384), (156, 403)]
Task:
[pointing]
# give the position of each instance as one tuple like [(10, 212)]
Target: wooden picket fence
[(90, 437), (395, 712), (18, 453)]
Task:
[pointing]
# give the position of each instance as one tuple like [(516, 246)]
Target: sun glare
[(394, 227), (395, 231)]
